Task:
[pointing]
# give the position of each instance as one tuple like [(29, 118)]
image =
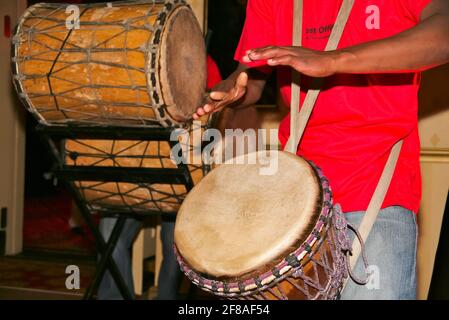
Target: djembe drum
[(131, 63), (242, 235)]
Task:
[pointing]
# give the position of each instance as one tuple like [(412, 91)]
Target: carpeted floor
[(43, 276), (46, 227), (49, 246), (29, 273)]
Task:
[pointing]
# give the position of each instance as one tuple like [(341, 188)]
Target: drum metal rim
[(284, 269)]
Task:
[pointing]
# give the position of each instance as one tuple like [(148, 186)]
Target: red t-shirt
[(213, 73), (357, 118)]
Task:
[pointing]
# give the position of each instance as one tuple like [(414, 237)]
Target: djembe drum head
[(238, 221)]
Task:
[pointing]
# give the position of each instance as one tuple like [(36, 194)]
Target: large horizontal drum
[(101, 196), (240, 234), (128, 63)]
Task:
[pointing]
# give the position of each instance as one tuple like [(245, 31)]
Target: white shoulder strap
[(298, 121), (376, 202)]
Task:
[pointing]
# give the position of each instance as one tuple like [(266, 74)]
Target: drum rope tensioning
[(134, 197), (128, 64)]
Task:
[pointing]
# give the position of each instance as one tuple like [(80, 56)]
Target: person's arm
[(242, 88), (417, 49)]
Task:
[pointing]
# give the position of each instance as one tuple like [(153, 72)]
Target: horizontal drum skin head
[(236, 221), (183, 64)]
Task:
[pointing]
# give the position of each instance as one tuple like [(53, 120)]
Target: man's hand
[(225, 93), (309, 62), (422, 47)]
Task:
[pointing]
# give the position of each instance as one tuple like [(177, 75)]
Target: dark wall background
[(225, 22)]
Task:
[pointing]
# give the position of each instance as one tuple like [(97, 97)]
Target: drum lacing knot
[(323, 219), (258, 282), (307, 248), (292, 261), (226, 288), (316, 234), (126, 24), (276, 272), (201, 282), (214, 286), (143, 48), (151, 49), (241, 287)]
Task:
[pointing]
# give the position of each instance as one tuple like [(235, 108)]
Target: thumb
[(242, 80), (218, 95)]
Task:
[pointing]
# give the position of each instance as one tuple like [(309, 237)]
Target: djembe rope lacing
[(158, 198)]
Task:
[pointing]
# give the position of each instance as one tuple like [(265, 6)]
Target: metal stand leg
[(101, 247), (106, 261), (51, 136)]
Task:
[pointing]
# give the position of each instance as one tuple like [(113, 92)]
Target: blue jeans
[(122, 256), (391, 252), (169, 275)]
